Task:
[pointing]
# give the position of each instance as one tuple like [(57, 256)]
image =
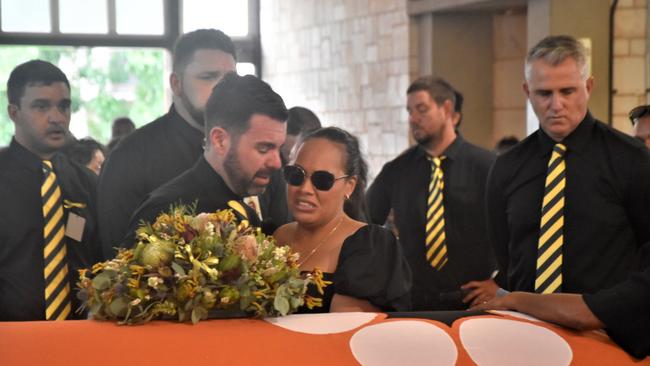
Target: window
[(128, 43), (83, 16), (127, 23), (106, 83), (14, 20), (232, 16)]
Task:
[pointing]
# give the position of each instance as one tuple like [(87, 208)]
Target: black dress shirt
[(606, 211), (142, 162), (403, 184), (22, 295), (201, 185), (624, 311)]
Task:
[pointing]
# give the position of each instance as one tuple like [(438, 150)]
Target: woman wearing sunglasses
[(325, 195)]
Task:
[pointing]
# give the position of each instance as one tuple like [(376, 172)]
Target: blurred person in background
[(640, 118), (87, 152), (505, 144), (122, 127)]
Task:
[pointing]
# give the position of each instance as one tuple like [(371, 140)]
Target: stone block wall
[(630, 60), (348, 61), (510, 46)]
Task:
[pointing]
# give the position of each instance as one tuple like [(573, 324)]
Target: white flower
[(280, 253), (154, 282), (135, 302), (209, 227)]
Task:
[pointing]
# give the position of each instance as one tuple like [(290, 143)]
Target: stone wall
[(510, 46), (348, 61), (630, 65)]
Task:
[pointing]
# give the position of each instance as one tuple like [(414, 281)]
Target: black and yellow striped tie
[(57, 284), (435, 227), (239, 208), (548, 277)]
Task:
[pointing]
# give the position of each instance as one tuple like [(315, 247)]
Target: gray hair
[(555, 50)]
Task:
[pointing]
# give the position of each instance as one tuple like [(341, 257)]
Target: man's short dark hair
[(439, 89), (200, 39), (302, 121), (639, 112), (236, 98), (34, 72)]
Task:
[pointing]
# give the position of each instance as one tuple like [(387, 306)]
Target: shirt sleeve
[(497, 222), (372, 267), (378, 197), (638, 197), (624, 311)]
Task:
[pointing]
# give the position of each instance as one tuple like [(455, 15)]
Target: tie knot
[(47, 165), (559, 148), (437, 160)]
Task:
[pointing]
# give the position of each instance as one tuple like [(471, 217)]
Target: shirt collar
[(575, 142), (182, 127), (25, 157), (451, 152), (217, 185)]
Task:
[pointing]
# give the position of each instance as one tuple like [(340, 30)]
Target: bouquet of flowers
[(187, 266)]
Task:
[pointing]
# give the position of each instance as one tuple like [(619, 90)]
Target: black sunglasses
[(320, 179), (639, 112)]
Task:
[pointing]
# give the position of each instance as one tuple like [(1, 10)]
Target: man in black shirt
[(47, 223), (403, 185), (166, 147), (621, 310), (245, 128), (596, 212)]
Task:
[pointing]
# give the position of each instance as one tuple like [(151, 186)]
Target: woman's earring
[(347, 196)]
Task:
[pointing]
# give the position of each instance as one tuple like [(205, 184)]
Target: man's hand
[(479, 291), (497, 303)]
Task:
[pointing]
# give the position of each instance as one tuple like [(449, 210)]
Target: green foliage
[(171, 271), (99, 78)]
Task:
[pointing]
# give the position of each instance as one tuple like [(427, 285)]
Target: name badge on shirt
[(74, 229)]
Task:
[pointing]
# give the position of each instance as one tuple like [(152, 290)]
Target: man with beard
[(244, 130), (436, 190), (166, 147), (47, 224)]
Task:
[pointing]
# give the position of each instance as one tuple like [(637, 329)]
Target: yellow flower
[(133, 282), (82, 273), (136, 269), (317, 278), (97, 267), (313, 302), (261, 293)]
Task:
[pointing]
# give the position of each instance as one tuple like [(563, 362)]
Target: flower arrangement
[(186, 266)]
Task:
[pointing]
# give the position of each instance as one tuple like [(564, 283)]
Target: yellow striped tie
[(435, 228), (57, 285), (239, 208), (548, 277)]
